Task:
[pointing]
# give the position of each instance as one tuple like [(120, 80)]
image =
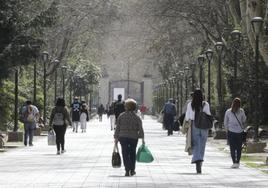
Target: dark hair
[(236, 104), (119, 97), (197, 99), (60, 102), (28, 102)]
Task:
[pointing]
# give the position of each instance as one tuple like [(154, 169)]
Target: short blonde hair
[(130, 105)]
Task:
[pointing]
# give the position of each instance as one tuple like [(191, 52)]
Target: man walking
[(30, 114), (169, 111), (119, 107), (75, 113)]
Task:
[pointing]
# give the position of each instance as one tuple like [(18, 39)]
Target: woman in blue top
[(234, 122)]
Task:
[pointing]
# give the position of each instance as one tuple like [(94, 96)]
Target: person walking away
[(143, 110), (84, 117), (111, 115), (119, 107), (30, 116), (75, 113), (128, 130), (169, 111), (234, 123), (58, 121), (199, 136), (100, 112)]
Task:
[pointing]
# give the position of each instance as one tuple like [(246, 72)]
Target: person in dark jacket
[(58, 121), (119, 107), (169, 111), (75, 113), (128, 130), (101, 111)]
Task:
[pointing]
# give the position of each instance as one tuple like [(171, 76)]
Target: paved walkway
[(87, 163)]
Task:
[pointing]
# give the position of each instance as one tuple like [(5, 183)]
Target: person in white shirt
[(199, 136), (234, 123)]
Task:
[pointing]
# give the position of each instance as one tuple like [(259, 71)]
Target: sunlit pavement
[(87, 163)]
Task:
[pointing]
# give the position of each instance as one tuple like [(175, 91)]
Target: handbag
[(51, 138), (116, 159), (244, 133), (144, 155), (204, 121)]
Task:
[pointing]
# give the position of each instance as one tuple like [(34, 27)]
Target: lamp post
[(178, 89), (34, 90), (257, 23), (219, 49), (56, 62), (192, 76), (236, 38), (45, 56), (209, 55), (181, 73), (201, 59), (186, 72), (63, 70), (15, 128)]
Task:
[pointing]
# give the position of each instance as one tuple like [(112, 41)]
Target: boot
[(198, 167)]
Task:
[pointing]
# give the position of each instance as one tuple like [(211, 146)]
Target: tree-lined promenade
[(87, 163)]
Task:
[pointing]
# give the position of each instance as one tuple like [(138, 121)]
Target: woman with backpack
[(58, 118), (199, 135)]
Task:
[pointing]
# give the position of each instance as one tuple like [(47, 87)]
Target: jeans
[(199, 139), (60, 133), (235, 142), (169, 122), (28, 133), (129, 146)]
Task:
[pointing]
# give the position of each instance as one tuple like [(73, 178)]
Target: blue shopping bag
[(144, 155)]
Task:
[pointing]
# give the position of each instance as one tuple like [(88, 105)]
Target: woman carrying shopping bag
[(234, 122), (198, 134), (128, 130), (57, 121)]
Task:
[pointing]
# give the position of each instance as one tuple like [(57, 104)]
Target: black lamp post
[(186, 72), (63, 70), (201, 59), (181, 73), (15, 128), (257, 23), (236, 38), (35, 75), (219, 49), (45, 57), (209, 55), (56, 62), (192, 66)]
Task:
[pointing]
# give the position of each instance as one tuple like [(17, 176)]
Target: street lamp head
[(45, 55), (236, 35), (64, 69), (219, 47), (56, 62), (201, 59), (186, 70), (209, 54), (257, 23)]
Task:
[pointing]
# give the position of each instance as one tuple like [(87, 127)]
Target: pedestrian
[(30, 116), (58, 121), (199, 136), (143, 110), (119, 107), (169, 111), (101, 111), (84, 117), (234, 122), (128, 130), (75, 113), (111, 115)]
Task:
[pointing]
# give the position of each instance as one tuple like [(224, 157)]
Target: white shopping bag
[(51, 138)]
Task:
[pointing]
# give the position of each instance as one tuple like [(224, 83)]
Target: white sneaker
[(58, 152), (235, 165), (63, 151)]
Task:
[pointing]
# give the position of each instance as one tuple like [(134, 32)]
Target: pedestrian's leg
[(31, 133), (57, 131), (76, 126), (196, 144), (26, 134), (125, 153), (63, 131), (133, 146), (73, 123), (232, 145), (203, 141), (239, 143)]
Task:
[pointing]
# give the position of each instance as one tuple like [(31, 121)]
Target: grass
[(256, 162)]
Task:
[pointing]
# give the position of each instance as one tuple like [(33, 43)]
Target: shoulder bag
[(203, 120)]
